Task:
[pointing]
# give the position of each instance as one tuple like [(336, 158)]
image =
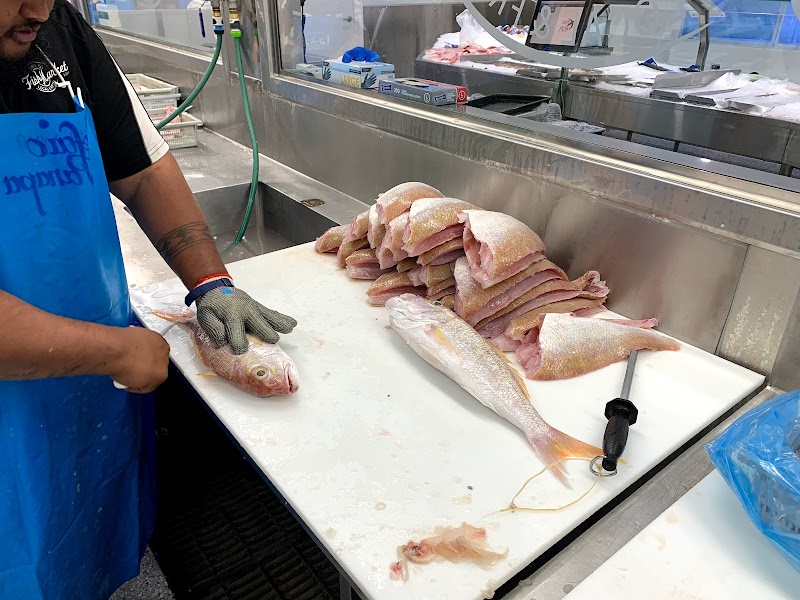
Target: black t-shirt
[(128, 139)]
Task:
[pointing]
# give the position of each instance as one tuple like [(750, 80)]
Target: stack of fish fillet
[(489, 267)]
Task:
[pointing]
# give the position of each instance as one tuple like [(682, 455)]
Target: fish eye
[(437, 303), (261, 373)]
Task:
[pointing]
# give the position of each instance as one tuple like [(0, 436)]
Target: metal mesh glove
[(227, 313)]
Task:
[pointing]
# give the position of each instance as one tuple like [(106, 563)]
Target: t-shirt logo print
[(44, 77)]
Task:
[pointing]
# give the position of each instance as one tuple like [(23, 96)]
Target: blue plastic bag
[(758, 458)]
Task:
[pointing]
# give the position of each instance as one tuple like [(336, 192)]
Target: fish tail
[(555, 447), (183, 316)]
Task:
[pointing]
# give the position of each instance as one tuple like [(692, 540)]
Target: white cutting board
[(702, 548), (377, 447)]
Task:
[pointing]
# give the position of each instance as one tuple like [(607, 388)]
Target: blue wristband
[(200, 290)]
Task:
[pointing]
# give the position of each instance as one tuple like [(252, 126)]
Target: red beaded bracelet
[(208, 278)]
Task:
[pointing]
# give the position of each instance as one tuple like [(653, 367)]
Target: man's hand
[(39, 345), (227, 313), (142, 362)]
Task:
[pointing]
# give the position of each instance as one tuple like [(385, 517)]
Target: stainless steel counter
[(290, 207), (708, 127)]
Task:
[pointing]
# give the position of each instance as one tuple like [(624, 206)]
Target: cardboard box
[(356, 74), (423, 90)]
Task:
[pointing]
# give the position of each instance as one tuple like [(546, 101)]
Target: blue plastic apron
[(76, 485)]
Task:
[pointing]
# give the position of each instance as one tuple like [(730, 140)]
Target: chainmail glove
[(227, 313)]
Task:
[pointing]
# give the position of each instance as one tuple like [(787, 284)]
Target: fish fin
[(523, 387), (184, 316), (439, 335), (554, 447), (208, 374)]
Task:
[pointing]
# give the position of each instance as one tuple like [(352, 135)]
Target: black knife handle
[(621, 414)]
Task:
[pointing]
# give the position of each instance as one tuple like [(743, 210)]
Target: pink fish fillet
[(563, 346), (443, 288), (415, 275), (331, 239), (348, 247), (498, 246), (438, 292), (390, 253), (407, 264), (587, 286), (391, 285), (444, 253), (515, 331), (431, 275), (432, 222), (375, 229), (396, 201), (474, 303), (358, 228), (363, 264)]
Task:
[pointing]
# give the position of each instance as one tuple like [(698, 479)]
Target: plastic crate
[(150, 86), (182, 132), (165, 101), (159, 114)]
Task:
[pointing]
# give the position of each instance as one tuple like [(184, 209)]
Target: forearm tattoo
[(185, 236)]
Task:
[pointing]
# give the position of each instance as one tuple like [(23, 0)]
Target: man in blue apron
[(75, 488)]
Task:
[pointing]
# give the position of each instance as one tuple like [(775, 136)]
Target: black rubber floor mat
[(222, 534)]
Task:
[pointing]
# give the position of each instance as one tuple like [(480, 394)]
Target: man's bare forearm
[(176, 227), (37, 345)]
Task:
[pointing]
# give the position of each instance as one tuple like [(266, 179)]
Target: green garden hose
[(253, 140), (199, 88)]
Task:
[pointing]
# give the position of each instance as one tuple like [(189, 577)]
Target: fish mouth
[(409, 310), (290, 376)]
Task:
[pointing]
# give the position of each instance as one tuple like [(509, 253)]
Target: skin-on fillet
[(391, 285), (363, 264), (448, 286), (406, 264), (376, 230), (474, 303), (446, 293), (556, 290), (358, 228), (348, 247), (498, 246), (399, 199), (431, 275), (512, 337), (414, 275), (440, 254), (390, 252), (432, 222), (563, 346), (331, 239)]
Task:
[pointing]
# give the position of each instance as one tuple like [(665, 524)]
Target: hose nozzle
[(216, 14), (233, 17)]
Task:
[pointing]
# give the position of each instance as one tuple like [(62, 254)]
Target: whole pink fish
[(264, 370), (449, 344)]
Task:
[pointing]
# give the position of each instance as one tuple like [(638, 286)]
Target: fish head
[(409, 311), (268, 371)]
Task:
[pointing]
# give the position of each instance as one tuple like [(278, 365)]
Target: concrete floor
[(150, 585)]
